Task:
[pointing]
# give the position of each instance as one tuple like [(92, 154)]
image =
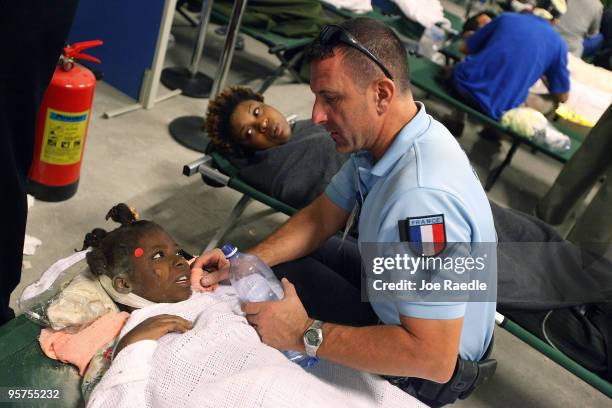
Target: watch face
[(313, 337)]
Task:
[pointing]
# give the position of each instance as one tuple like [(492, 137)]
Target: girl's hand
[(154, 328)]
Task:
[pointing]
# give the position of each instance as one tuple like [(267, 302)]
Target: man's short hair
[(380, 40)]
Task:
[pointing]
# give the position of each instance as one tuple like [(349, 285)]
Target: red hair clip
[(138, 252)]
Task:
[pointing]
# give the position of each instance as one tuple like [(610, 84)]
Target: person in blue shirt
[(506, 57), (406, 169)]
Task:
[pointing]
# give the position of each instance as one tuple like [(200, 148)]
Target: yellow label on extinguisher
[(63, 137)]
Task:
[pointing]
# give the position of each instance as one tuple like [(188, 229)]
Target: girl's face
[(257, 126), (161, 274)]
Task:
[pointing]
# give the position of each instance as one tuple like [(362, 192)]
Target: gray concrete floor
[(133, 159)]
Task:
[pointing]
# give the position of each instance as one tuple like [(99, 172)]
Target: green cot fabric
[(24, 366), (237, 184), (294, 19)]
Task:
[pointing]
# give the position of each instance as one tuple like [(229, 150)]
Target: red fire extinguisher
[(61, 126)]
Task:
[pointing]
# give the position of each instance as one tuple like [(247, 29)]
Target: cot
[(423, 74), (286, 49), (218, 171), (394, 18)]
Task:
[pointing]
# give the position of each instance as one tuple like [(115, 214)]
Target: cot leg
[(179, 8), (496, 172), (278, 72), (229, 222)]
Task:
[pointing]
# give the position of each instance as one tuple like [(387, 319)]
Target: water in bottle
[(254, 281)]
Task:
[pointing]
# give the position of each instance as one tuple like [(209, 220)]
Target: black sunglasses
[(333, 34)]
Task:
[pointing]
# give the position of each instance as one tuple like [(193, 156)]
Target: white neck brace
[(127, 299)]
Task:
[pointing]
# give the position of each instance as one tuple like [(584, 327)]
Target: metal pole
[(228, 47), (197, 51), (189, 130)]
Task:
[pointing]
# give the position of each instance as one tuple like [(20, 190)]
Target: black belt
[(468, 376)]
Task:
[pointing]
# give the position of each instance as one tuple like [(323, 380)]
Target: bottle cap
[(229, 250)]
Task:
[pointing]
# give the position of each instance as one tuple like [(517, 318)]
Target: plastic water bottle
[(254, 281), (431, 41)]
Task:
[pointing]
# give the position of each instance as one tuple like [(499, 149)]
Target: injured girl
[(195, 349)]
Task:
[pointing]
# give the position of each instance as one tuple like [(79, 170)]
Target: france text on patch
[(426, 234)]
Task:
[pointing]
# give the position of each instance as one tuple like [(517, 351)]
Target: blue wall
[(129, 29)]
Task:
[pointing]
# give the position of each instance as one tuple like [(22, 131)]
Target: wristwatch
[(313, 337)]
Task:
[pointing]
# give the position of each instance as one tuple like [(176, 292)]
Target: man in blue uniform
[(506, 57), (406, 169)]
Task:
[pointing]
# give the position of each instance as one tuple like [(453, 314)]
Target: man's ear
[(385, 90), (122, 283)]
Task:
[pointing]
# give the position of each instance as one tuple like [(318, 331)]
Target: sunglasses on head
[(333, 34)]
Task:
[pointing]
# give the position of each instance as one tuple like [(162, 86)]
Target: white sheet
[(425, 12), (356, 6), (222, 363), (585, 100)]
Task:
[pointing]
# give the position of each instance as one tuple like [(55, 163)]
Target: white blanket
[(425, 12), (356, 6), (221, 363)]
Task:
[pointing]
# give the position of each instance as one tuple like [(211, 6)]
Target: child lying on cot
[(292, 162), (196, 349)]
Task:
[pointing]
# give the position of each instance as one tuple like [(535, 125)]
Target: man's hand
[(153, 328), (210, 268), (280, 324)]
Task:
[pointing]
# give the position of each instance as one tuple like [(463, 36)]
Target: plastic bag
[(533, 124), (524, 121), (66, 296)]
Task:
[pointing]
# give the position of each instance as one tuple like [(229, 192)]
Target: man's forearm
[(386, 349), (303, 233), (294, 239)]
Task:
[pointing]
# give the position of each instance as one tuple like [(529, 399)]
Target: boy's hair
[(218, 115), (112, 252)]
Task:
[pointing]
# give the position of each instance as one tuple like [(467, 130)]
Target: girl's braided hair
[(112, 252)]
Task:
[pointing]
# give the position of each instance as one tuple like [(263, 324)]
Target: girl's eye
[(249, 132), (158, 255), (256, 112)]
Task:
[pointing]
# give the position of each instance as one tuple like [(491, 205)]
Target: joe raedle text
[(446, 285)]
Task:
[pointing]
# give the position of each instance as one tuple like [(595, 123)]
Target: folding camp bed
[(423, 74), (286, 49), (394, 18), (218, 171), (25, 367)]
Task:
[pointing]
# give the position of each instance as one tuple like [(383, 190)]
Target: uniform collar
[(406, 137), (369, 171)]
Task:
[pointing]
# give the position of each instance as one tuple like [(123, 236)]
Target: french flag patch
[(426, 235)]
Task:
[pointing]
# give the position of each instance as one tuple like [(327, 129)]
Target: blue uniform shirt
[(507, 56), (423, 172)]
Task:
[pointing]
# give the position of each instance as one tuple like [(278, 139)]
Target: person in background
[(507, 56), (579, 27), (32, 36)]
